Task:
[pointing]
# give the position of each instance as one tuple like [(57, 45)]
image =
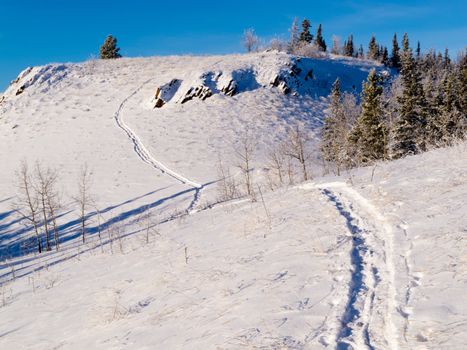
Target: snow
[(373, 259)]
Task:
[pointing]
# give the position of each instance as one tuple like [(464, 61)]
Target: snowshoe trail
[(367, 321), (146, 156)]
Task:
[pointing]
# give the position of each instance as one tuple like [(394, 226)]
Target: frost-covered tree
[(305, 36), (294, 36), (319, 40), (336, 46), (250, 40), (335, 130), (370, 135), (109, 49)]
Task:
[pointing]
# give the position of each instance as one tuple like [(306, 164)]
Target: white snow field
[(373, 259)]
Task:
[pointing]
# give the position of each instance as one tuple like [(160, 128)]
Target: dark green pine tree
[(348, 47), (385, 57), (305, 35), (462, 72), (395, 56), (409, 133), (360, 52), (418, 52), (446, 60), (109, 49), (319, 41), (373, 49), (370, 134)]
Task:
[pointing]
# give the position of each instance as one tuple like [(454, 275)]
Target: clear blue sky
[(34, 32)]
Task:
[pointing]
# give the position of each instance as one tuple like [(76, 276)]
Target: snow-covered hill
[(374, 258), (102, 113)]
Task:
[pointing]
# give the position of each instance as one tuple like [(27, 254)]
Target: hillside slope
[(377, 262), (374, 259), (102, 113)]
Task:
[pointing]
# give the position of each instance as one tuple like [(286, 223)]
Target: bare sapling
[(276, 162), (296, 147), (99, 228), (226, 186), (250, 40), (245, 152), (84, 198), (27, 205)]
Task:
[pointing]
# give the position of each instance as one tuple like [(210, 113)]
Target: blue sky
[(39, 32)]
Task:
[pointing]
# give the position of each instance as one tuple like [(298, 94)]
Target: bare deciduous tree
[(226, 186), (245, 151), (276, 162), (250, 40), (84, 198), (48, 198), (296, 147), (27, 203)]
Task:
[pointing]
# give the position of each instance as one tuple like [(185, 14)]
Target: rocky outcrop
[(165, 93), (230, 89), (202, 92)]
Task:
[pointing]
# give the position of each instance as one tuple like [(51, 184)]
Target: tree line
[(423, 107)]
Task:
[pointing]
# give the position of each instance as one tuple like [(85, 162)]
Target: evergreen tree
[(395, 56), (446, 60), (373, 49), (109, 49), (360, 52), (385, 57), (418, 52), (370, 134), (462, 73), (409, 135), (335, 129), (348, 47), (319, 41), (305, 35), (294, 37), (452, 118)]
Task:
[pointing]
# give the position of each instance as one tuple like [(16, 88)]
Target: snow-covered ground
[(374, 259)]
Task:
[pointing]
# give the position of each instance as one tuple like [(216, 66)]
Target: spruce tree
[(109, 49), (453, 120), (360, 52), (446, 60), (409, 131), (305, 35), (373, 49), (385, 57), (395, 56), (370, 134), (335, 130), (328, 137), (319, 41), (462, 72), (348, 47)]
